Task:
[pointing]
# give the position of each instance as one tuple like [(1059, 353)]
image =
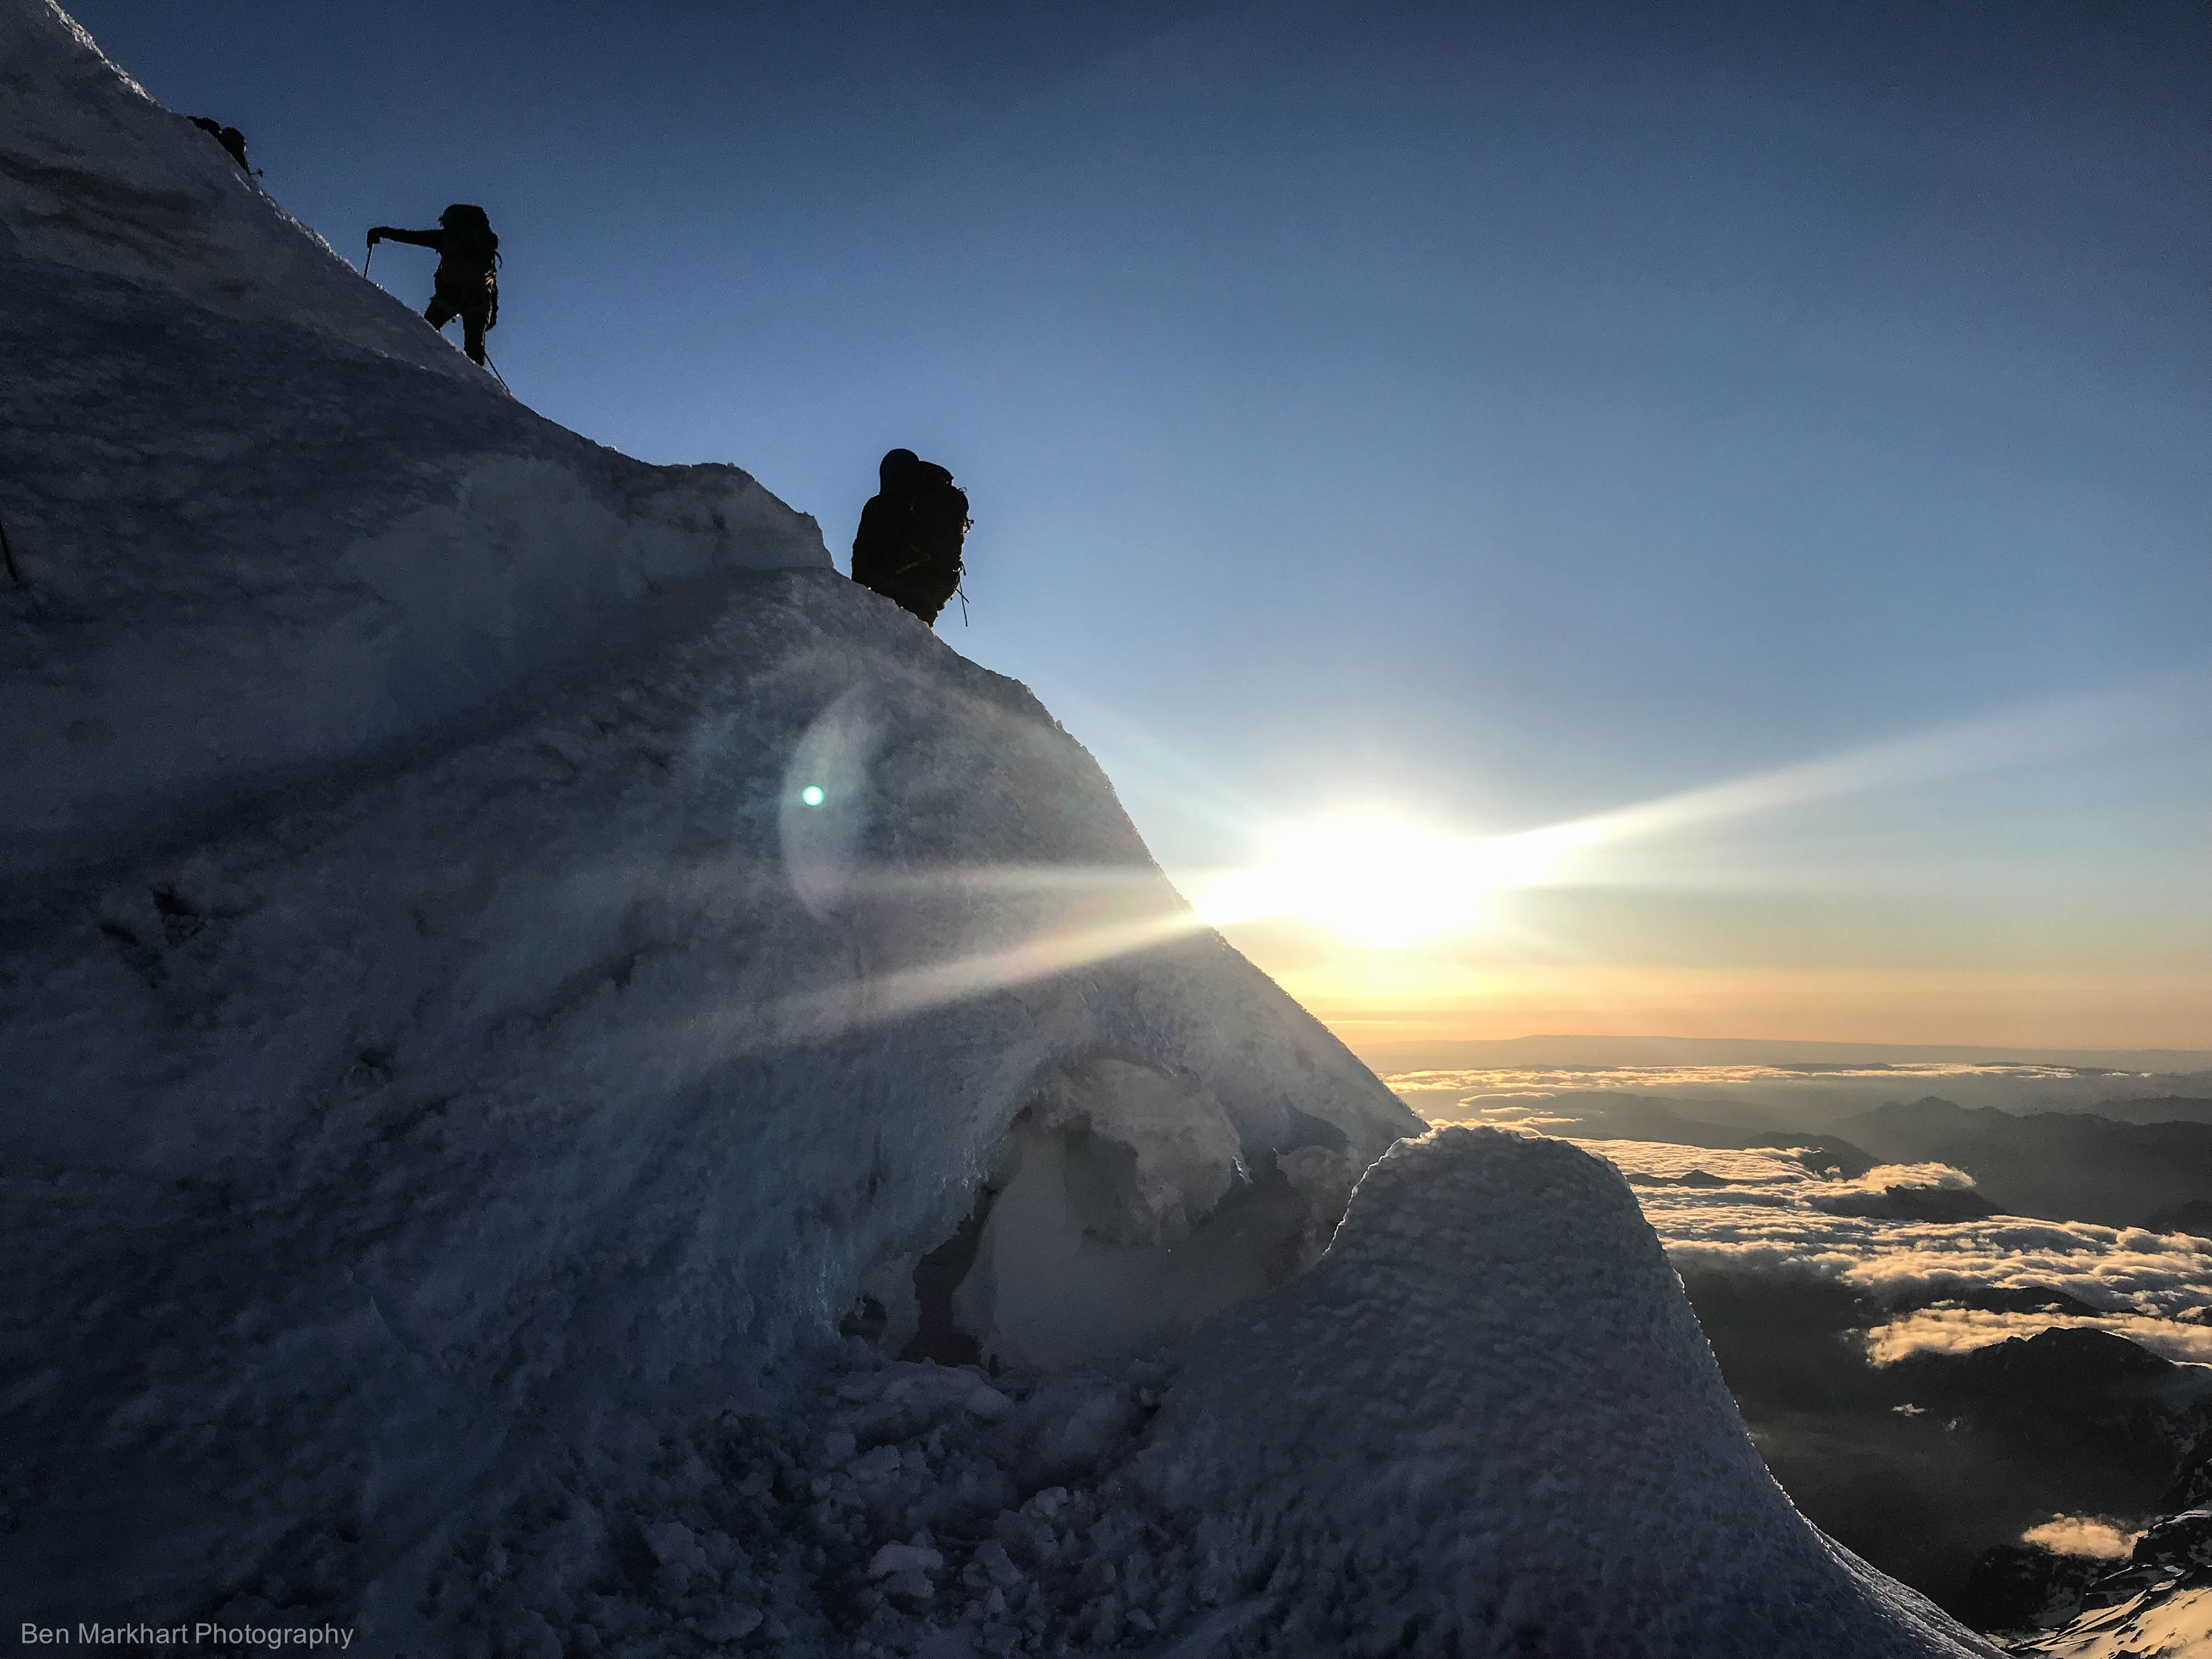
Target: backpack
[(473, 238), (470, 243), (909, 545), (939, 509), (229, 137)]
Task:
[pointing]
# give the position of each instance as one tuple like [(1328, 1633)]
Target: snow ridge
[(395, 543)]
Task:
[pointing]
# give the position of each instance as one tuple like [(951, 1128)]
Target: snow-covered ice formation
[(1486, 1422), (505, 955), (1471, 1429)]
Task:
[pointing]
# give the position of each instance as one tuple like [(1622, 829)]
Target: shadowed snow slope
[(496, 934), (395, 540), (1486, 1423), (504, 952)]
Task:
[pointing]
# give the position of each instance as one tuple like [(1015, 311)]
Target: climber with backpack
[(230, 138), (909, 545), (467, 283)]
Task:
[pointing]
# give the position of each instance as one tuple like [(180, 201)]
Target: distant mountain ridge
[(1571, 1051), (2161, 1108), (2065, 1166)]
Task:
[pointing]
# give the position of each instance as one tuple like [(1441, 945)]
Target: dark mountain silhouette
[(1826, 1155), (2162, 1108), (2194, 1217), (1997, 1298), (1925, 1465), (2157, 1600), (2065, 1166), (1616, 1114), (1908, 1203), (2058, 1370)]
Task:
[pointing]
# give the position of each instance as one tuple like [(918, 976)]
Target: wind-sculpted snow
[(1487, 1424)]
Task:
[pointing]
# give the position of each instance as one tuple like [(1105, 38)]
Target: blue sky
[(1494, 415)]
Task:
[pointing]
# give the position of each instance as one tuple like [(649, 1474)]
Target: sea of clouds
[(1763, 1209), (1799, 1096)]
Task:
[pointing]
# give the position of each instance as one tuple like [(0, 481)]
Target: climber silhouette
[(909, 545), (229, 137), (467, 283)]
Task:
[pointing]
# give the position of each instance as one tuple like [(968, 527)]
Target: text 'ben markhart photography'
[(189, 1635)]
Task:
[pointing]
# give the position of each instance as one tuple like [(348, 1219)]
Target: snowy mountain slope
[(523, 1080), (2157, 1604), (1470, 1430), (396, 541), (391, 1094), (505, 953)]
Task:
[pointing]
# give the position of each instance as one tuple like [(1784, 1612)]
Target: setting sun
[(1377, 880)]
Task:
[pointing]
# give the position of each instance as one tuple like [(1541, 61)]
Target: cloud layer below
[(1754, 1211), (1800, 1097)]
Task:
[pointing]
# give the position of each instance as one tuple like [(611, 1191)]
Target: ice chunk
[(1120, 1213), (1153, 1154), (988, 1403), (904, 1558), (878, 1465), (732, 1623)]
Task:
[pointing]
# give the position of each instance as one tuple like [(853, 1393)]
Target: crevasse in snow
[(505, 954)]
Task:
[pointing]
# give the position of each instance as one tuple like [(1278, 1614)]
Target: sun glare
[(1377, 880)]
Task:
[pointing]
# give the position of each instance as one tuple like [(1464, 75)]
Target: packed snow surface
[(1486, 1422), (578, 1084)]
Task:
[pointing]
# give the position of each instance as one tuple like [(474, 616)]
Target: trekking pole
[(496, 375), (961, 593), (15, 575), (368, 258)]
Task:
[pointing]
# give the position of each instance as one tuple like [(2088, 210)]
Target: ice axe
[(366, 258)]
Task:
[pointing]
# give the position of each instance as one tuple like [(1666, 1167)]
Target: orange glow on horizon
[(1388, 996), (2121, 1010)]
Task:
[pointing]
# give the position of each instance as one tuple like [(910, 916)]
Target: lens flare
[(821, 822)]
